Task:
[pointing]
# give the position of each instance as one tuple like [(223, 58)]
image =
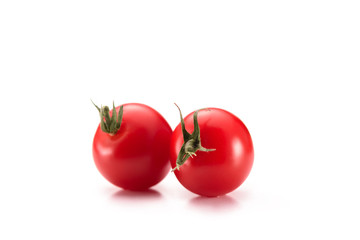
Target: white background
[(289, 69)]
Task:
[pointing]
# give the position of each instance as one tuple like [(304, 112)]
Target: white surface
[(288, 69)]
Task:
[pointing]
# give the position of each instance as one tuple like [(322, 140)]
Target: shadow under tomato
[(214, 204), (136, 196)]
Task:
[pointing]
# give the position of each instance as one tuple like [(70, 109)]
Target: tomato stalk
[(192, 142), (110, 125)]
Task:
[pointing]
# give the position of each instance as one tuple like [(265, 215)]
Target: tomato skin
[(137, 156), (217, 172)]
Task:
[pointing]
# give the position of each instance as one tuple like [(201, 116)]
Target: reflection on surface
[(218, 204), (237, 147), (136, 196)]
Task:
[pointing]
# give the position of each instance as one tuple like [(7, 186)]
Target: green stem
[(192, 142), (109, 124)]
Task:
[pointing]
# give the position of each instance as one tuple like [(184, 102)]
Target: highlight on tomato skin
[(221, 170), (131, 148)]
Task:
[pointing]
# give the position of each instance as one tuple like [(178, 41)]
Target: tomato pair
[(135, 148)]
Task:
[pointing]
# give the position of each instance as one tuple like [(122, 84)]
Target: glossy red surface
[(218, 172), (137, 156)]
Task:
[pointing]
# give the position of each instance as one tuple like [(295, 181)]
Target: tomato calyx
[(110, 125), (192, 142)]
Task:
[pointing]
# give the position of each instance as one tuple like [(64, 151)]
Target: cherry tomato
[(219, 159), (136, 157)]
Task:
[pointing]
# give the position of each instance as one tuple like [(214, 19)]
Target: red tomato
[(227, 155), (136, 157)]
